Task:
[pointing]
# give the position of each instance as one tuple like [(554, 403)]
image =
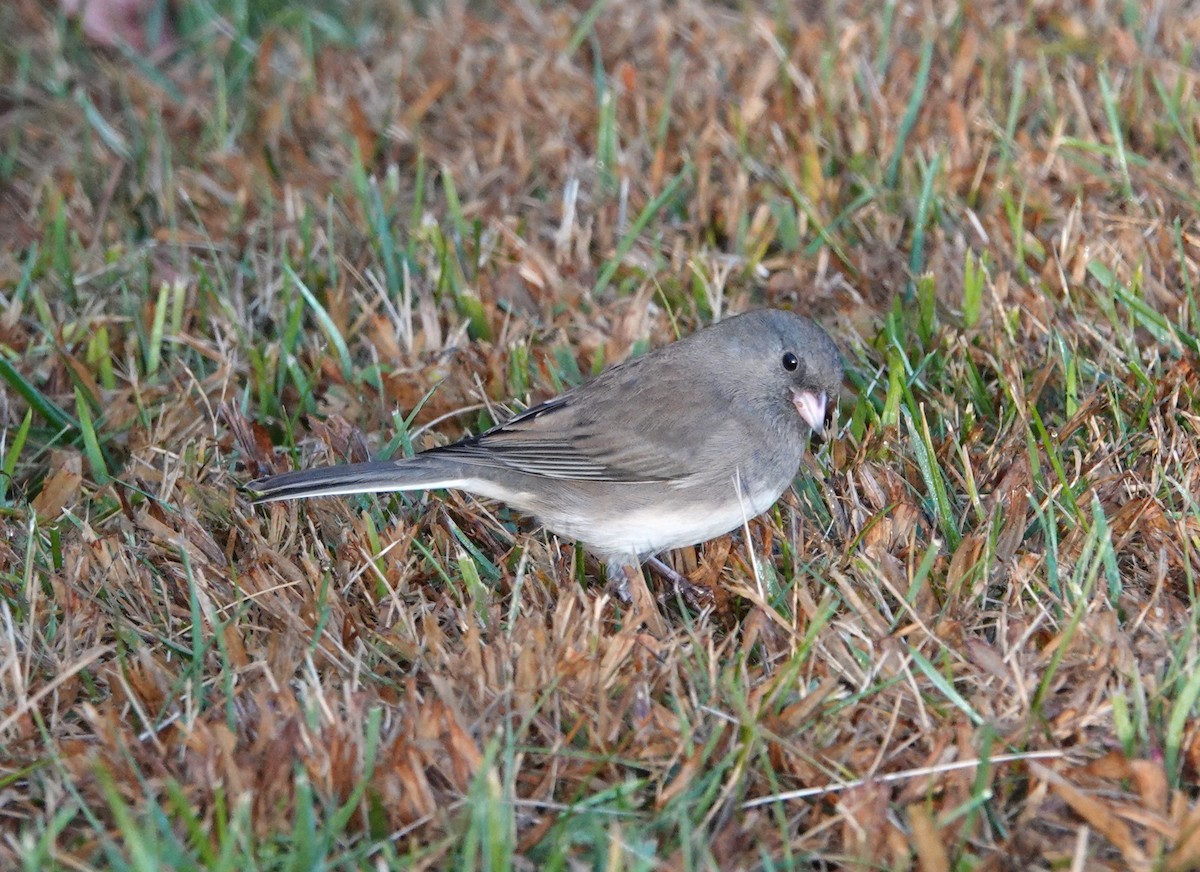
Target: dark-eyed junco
[(663, 451)]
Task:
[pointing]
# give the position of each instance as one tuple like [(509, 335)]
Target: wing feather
[(574, 436)]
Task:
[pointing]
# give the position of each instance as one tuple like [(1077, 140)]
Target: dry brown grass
[(996, 556)]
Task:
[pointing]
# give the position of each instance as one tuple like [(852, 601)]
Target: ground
[(302, 233)]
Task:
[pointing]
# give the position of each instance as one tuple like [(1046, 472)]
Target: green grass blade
[(38, 401), (91, 441), (665, 198), (326, 323), (911, 111)]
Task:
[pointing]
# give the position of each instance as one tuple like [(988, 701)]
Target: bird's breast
[(638, 519)]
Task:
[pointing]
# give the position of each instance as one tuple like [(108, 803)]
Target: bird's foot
[(628, 584), (695, 595), (618, 581)]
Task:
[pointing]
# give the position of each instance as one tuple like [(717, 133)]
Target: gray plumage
[(663, 451)]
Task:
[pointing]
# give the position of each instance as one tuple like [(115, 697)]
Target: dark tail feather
[(415, 473)]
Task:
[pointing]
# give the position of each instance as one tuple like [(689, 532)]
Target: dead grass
[(967, 638)]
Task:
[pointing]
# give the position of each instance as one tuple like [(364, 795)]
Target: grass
[(964, 640)]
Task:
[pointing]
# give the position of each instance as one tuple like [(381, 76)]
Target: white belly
[(647, 530)]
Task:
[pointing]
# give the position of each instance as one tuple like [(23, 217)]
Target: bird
[(670, 449)]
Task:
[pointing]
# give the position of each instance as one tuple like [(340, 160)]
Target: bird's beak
[(811, 407)]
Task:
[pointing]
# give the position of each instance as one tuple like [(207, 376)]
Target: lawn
[(320, 231)]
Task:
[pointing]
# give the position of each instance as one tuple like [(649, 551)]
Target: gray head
[(780, 362)]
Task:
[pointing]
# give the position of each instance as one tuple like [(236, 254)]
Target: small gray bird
[(663, 451)]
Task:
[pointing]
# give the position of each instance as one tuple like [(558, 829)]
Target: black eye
[(790, 361)]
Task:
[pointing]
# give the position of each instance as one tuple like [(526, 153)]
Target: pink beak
[(811, 408)]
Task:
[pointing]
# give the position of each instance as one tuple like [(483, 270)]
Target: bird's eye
[(790, 361)]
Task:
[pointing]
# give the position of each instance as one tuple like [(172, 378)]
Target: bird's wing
[(597, 435)]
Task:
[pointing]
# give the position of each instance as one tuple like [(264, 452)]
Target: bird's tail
[(413, 473)]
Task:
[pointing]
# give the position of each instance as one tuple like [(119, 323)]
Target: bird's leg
[(618, 580), (695, 594), (627, 583)]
